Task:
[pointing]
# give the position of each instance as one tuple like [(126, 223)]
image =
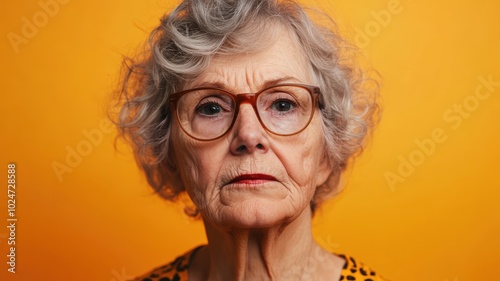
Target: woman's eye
[(283, 105), (209, 109)]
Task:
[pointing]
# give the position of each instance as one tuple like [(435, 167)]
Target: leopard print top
[(178, 270)]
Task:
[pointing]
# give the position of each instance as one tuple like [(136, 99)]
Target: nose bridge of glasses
[(246, 98), (250, 99)]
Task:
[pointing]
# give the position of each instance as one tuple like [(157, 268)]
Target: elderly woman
[(254, 111)]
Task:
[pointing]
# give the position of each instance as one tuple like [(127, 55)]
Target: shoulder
[(358, 271), (176, 270)]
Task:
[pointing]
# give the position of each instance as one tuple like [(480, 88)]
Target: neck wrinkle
[(260, 254)]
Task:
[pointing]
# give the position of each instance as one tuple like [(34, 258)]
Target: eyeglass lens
[(210, 113)]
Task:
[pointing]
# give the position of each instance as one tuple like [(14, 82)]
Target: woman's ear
[(173, 177), (171, 184), (325, 169)]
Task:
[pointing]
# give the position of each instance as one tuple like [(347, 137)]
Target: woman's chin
[(254, 214)]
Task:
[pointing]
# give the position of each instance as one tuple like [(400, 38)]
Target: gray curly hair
[(182, 46)]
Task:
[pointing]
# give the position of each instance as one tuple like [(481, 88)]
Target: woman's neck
[(283, 252)]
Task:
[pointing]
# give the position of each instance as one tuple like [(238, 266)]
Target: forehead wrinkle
[(256, 69), (254, 80)]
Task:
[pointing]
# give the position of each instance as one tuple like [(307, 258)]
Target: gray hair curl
[(181, 47)]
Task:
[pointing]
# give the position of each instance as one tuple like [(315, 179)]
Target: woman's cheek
[(201, 178), (301, 164), (189, 172)]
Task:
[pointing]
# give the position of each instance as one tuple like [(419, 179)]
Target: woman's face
[(251, 178)]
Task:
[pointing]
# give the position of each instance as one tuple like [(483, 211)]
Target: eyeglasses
[(208, 113)]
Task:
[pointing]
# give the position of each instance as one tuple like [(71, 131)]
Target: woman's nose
[(248, 134)]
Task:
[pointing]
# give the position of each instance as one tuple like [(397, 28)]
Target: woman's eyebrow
[(217, 85), (266, 84), (273, 82)]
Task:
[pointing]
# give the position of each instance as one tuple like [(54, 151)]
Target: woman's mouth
[(252, 179)]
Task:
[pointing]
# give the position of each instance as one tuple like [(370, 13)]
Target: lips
[(252, 178)]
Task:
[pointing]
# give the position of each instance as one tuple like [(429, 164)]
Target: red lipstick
[(252, 178)]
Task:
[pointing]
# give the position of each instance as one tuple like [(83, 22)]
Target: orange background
[(440, 221)]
